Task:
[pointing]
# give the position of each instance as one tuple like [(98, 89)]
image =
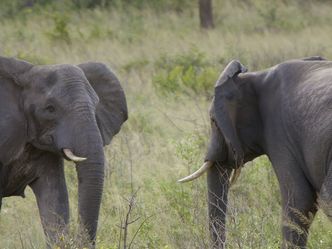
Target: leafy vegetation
[(168, 67), (185, 73)]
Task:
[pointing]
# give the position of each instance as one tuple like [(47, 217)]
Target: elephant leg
[(52, 198), (297, 218), (325, 195), (299, 203), (1, 184), (218, 184)]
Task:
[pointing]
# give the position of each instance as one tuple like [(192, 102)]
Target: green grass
[(166, 134)]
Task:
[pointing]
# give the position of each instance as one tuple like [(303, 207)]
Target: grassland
[(168, 128)]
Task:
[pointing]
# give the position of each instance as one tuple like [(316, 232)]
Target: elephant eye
[(229, 95), (213, 121), (50, 108)]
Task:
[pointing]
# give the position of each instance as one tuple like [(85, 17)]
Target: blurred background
[(168, 55)]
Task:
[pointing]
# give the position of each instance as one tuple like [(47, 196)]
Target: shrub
[(60, 30), (33, 58), (188, 73), (189, 148), (135, 65)]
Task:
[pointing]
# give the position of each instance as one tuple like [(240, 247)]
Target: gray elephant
[(55, 112), (284, 112)]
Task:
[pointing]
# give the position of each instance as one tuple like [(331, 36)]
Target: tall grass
[(167, 131)]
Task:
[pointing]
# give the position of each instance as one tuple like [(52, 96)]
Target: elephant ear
[(225, 102), (13, 69), (112, 110)]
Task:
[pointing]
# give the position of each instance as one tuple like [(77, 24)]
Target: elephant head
[(234, 124), (224, 147), (72, 112)]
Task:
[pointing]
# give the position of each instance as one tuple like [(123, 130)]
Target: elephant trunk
[(90, 180), (218, 185)]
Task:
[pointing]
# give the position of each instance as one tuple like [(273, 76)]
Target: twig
[(131, 165), (120, 238), (127, 222), (170, 120), (139, 228)]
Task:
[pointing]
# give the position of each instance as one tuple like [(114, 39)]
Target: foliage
[(188, 73), (189, 148), (10, 8), (60, 30), (33, 58)]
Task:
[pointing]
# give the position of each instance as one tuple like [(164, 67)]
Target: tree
[(205, 14)]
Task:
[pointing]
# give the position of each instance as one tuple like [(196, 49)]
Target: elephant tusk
[(69, 154), (197, 173), (235, 174)]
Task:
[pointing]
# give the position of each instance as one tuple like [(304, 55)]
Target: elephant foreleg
[(1, 183), (296, 222), (52, 198), (299, 206), (325, 195)]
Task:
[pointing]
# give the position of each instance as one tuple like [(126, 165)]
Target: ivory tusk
[(235, 174), (72, 157), (197, 173)]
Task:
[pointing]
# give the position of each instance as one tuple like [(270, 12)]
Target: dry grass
[(165, 137)]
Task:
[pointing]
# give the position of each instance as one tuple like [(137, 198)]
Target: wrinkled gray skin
[(44, 109), (284, 112)]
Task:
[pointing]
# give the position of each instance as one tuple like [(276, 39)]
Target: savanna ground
[(167, 66)]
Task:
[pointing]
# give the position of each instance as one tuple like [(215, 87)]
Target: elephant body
[(284, 112), (21, 172), (298, 118), (51, 113)]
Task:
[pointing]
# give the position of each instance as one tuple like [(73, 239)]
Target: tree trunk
[(205, 14)]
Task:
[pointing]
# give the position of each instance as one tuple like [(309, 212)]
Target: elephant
[(49, 113), (283, 112)]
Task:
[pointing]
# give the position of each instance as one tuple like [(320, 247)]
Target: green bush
[(10, 8), (91, 3), (188, 73), (60, 30), (135, 65), (161, 5), (34, 58), (189, 148)]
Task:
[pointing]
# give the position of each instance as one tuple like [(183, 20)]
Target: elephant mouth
[(221, 155), (70, 156)]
